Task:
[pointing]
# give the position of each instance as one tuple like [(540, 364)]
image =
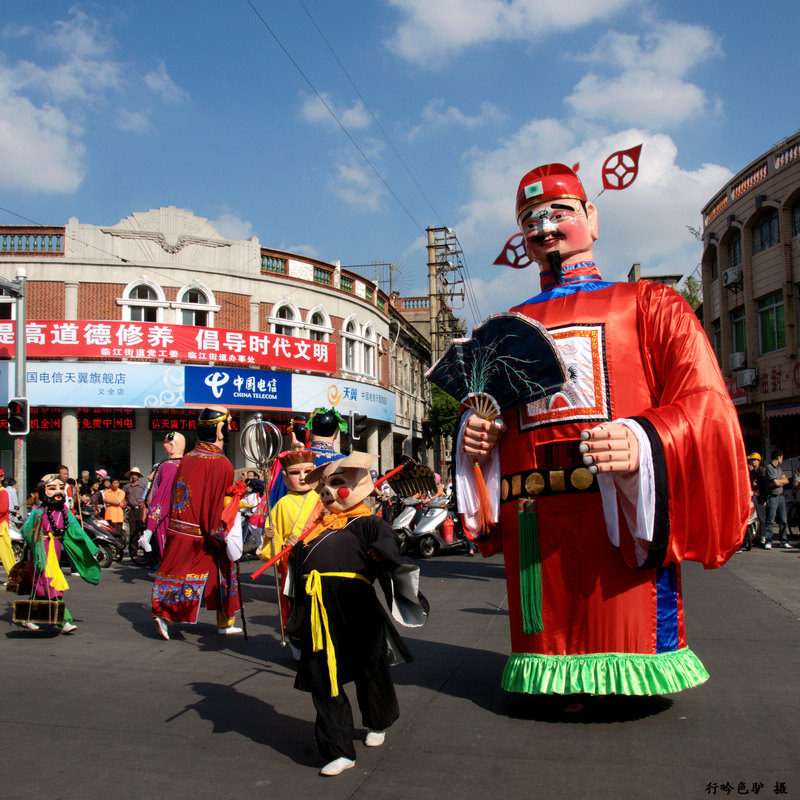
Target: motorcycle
[(403, 522), (110, 546), (439, 530), (17, 542), (752, 531)]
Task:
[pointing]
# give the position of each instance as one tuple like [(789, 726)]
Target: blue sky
[(114, 107)]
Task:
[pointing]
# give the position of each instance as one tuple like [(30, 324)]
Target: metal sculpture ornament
[(260, 441), (510, 360)]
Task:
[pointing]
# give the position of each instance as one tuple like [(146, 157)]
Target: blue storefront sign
[(238, 388), (97, 384)]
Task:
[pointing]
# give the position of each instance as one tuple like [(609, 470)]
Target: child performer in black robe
[(344, 631)]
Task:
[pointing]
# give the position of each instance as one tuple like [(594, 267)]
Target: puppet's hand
[(269, 533), (375, 555), (291, 541), (610, 447), (481, 435)]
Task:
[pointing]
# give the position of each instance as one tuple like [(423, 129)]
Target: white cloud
[(671, 48), (133, 121), (436, 116), (160, 82), (356, 185), (317, 109), (39, 148), (645, 223), (46, 103), (229, 226), (638, 97), (78, 38), (650, 87), (432, 30)]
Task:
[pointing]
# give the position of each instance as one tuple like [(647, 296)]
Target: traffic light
[(358, 424), (19, 422)]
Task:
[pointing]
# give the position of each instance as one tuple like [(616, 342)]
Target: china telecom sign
[(155, 340), (238, 388)]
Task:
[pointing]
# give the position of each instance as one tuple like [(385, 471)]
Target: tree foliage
[(692, 292), (443, 415)]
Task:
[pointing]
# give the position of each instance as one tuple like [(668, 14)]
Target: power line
[(333, 115), (374, 118)]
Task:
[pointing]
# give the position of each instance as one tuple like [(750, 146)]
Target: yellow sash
[(319, 619), (52, 569)]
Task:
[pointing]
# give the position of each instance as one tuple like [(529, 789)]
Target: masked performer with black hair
[(344, 632), (50, 527), (197, 566), (319, 434)]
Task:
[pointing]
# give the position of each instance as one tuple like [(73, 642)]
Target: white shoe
[(337, 766), (232, 629), (31, 626), (162, 628), (768, 546), (68, 627), (375, 738)]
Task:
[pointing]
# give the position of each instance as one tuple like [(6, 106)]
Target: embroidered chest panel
[(585, 396)]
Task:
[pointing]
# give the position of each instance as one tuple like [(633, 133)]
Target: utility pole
[(17, 289)]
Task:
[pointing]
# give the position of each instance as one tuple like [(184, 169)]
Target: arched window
[(735, 250), (350, 345), (796, 219), (284, 318), (143, 301), (370, 352), (766, 232), (319, 325), (196, 306), (8, 310)]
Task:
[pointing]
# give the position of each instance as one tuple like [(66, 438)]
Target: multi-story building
[(751, 281), (130, 327)]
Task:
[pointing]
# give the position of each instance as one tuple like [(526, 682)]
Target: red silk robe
[(612, 616), (195, 566)]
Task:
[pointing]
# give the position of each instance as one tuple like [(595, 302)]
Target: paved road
[(114, 712)]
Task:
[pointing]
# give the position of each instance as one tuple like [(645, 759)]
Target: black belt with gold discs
[(545, 482)]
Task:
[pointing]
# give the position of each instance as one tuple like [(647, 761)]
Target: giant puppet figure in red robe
[(619, 463), (199, 558)]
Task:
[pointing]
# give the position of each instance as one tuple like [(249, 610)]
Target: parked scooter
[(109, 544), (402, 524), (17, 542), (439, 530)]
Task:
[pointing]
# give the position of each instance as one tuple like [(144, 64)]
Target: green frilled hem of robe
[(604, 673)]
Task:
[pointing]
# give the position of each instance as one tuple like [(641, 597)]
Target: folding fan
[(510, 360)]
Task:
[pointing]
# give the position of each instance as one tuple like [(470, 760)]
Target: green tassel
[(530, 572)]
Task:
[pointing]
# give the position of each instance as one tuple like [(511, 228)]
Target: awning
[(783, 410)]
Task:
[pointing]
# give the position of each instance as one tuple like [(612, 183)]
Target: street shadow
[(460, 567), (600, 709), (232, 711), (474, 675)]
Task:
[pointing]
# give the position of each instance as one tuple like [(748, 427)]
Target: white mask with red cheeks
[(295, 477), (344, 483), (345, 488)]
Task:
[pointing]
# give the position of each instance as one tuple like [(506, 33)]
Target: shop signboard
[(118, 339), (98, 384), (310, 392), (238, 388)]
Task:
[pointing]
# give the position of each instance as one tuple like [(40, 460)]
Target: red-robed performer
[(198, 560), (617, 463)]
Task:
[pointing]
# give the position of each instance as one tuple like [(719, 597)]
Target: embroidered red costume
[(196, 566)]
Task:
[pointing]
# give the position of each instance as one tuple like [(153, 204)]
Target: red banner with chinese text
[(148, 341)]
